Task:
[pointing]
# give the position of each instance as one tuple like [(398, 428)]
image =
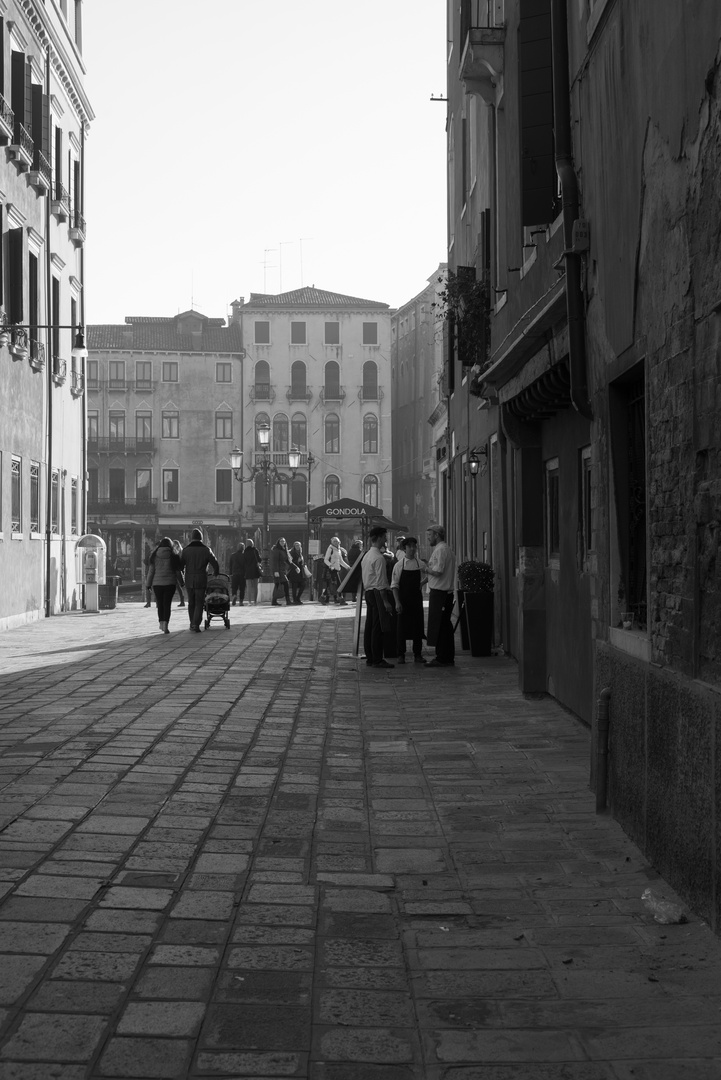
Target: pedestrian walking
[(236, 567), (178, 549), (301, 574), (335, 562), (252, 570), (379, 599), (194, 560), (146, 564), (163, 574), (280, 564), (406, 585), (441, 571)]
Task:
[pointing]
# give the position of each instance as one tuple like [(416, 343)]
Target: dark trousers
[(196, 598), (297, 585), (163, 599), (373, 633), (440, 625), (237, 587), (401, 642)]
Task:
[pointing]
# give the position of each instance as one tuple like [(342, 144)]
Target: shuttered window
[(15, 255), (539, 184)]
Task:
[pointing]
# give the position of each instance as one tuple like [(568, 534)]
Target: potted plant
[(475, 583)]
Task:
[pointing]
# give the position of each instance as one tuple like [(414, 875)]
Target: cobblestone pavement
[(245, 854)]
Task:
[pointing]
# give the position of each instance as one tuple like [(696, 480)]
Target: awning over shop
[(345, 510)]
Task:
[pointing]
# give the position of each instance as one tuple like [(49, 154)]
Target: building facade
[(165, 410), (318, 374), (596, 377), (416, 376), (44, 118)]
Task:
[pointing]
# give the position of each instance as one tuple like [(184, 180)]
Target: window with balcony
[(299, 431), (116, 374), (170, 370), (223, 426), (262, 332), (280, 433), (299, 491), (332, 434), (298, 385), (332, 333), (55, 501), (116, 428), (331, 387), (370, 333), (74, 505), (93, 428), (16, 493), (370, 434), (370, 381), (261, 420), (262, 380), (332, 488), (223, 372), (35, 496), (171, 425), (370, 490), (143, 374), (223, 485), (91, 370), (280, 492), (170, 485), (143, 485), (297, 333), (143, 427)]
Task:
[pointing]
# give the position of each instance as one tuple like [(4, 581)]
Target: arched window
[(370, 489), (298, 386), (299, 431), (332, 433), (299, 491), (332, 488), (280, 433), (331, 389), (261, 420), (280, 491), (262, 381), (370, 381), (370, 434)]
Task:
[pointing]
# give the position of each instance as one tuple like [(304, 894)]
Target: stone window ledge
[(634, 642)]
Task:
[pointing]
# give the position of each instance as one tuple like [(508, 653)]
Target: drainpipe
[(49, 375), (602, 733), (569, 199), (84, 477)]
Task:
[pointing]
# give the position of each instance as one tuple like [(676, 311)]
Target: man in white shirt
[(441, 571), (379, 602)]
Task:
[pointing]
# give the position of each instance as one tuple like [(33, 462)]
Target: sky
[(261, 145)]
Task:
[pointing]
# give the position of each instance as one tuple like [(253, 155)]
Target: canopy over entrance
[(345, 510)]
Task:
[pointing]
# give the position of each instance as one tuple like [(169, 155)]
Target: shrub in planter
[(475, 582)]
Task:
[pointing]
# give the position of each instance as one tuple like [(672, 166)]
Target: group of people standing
[(393, 587)]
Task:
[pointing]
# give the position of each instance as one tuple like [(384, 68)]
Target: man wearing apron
[(406, 582)]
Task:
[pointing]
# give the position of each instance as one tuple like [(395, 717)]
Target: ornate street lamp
[(265, 467), (294, 459)]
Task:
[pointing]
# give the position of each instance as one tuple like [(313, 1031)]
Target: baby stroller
[(217, 599)]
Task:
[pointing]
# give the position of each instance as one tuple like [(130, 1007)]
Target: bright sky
[(229, 127)]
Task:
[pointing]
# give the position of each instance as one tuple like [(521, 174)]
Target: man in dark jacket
[(194, 561), (237, 573)]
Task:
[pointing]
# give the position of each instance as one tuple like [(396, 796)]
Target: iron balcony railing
[(23, 139), (77, 382), (42, 165), (332, 393), (60, 369), (37, 354), (262, 391), (299, 393), (107, 444), (6, 114), (62, 195), (78, 222), (278, 458), (121, 505)]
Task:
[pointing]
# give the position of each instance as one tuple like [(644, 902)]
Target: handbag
[(307, 572)]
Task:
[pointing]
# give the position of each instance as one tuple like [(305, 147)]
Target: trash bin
[(108, 594)]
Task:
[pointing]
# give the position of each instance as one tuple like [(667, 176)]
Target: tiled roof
[(161, 335), (310, 297)]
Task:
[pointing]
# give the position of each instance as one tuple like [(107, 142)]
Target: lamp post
[(268, 469), (294, 456), (474, 467)]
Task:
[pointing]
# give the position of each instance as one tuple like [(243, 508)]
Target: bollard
[(602, 731)]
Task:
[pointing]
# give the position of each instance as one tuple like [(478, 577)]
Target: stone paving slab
[(245, 854)]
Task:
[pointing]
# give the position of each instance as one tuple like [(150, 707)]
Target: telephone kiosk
[(90, 553)]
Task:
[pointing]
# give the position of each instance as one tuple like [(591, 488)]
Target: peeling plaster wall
[(648, 145)]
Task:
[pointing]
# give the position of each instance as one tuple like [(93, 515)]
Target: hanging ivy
[(463, 307)]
